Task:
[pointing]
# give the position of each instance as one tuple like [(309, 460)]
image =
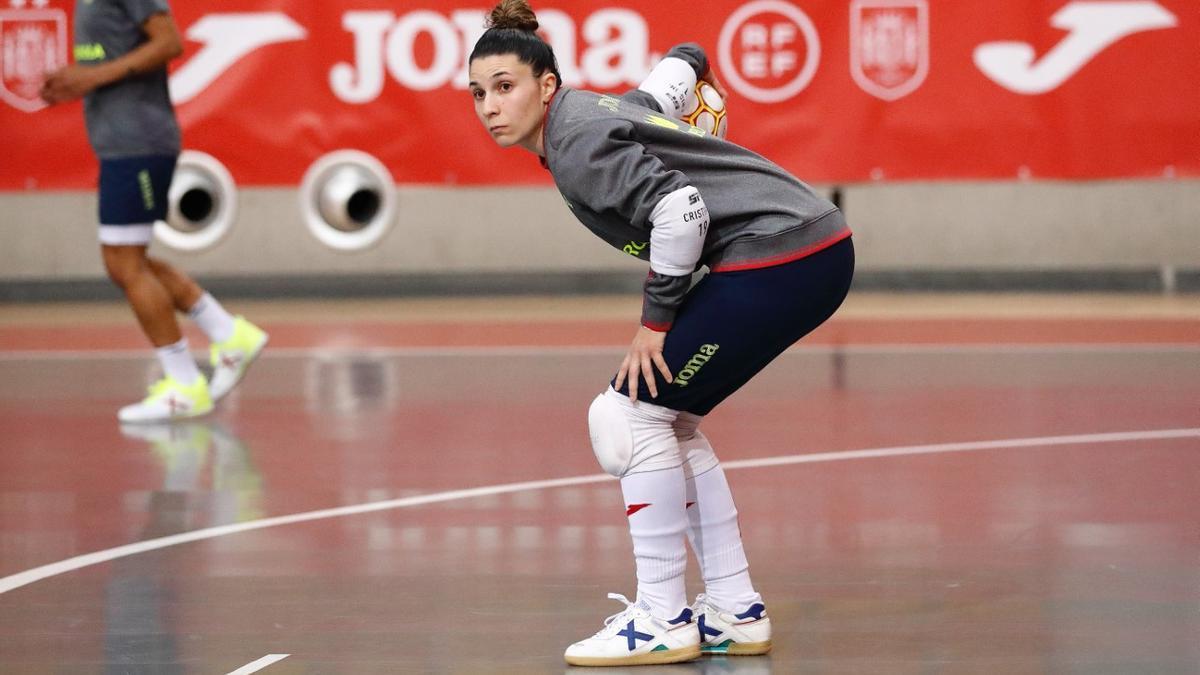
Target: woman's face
[(510, 101)]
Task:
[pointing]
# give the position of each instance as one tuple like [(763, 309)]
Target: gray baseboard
[(594, 283), (1187, 281), (1032, 281), (346, 286)]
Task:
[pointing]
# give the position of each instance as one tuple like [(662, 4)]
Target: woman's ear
[(549, 84)]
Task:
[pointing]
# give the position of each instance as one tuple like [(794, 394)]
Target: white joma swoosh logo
[(1091, 26), (226, 39)]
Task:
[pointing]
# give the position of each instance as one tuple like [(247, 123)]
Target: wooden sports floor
[(929, 484)]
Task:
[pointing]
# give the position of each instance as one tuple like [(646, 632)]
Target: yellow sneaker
[(231, 358), (170, 400)]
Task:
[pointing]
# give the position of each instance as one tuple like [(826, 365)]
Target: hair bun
[(515, 14)]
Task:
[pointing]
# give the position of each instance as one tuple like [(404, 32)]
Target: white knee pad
[(697, 452), (612, 439), (632, 437)]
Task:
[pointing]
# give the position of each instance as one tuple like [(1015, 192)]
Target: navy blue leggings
[(732, 324)]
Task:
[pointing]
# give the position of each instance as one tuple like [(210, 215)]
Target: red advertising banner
[(847, 90)]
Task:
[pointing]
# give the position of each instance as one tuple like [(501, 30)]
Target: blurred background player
[(121, 51), (780, 263)]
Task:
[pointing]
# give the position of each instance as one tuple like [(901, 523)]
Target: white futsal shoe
[(633, 637), (231, 358), (746, 633)]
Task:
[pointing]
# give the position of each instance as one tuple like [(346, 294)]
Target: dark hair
[(511, 29)]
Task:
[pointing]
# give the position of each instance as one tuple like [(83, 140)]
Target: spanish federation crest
[(889, 46), (33, 42)]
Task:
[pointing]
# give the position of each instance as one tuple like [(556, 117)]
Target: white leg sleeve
[(632, 437), (713, 528), (657, 522)]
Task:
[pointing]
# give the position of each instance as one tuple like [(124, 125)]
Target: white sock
[(177, 362), (212, 318), (715, 537), (657, 522)]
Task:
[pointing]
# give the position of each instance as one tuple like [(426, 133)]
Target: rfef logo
[(33, 42), (889, 46), (768, 50)]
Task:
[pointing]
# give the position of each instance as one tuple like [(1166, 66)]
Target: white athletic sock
[(177, 362), (657, 522), (715, 537), (212, 318)]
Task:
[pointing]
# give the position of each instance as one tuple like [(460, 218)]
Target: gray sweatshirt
[(133, 116), (613, 159)]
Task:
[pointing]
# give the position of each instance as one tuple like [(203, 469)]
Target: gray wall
[(1144, 235), (1058, 225)]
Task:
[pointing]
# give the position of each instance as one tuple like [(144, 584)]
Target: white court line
[(529, 350), (27, 577), (255, 666)]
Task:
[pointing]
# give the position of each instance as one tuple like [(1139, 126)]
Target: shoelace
[(615, 622)]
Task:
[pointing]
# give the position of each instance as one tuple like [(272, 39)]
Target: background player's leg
[(183, 392), (184, 291), (151, 301), (192, 300), (235, 341), (133, 195)]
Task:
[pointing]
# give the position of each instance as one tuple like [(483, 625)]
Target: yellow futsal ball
[(706, 109)]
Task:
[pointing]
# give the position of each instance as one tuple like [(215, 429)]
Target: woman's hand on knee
[(645, 354)]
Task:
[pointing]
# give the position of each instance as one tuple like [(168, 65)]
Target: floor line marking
[(255, 666), (532, 350), (1079, 439), (27, 577)]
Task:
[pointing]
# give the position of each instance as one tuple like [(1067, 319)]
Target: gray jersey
[(613, 159), (132, 116)]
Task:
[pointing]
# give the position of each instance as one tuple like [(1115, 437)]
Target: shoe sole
[(647, 659), (162, 420), (241, 376), (731, 648)]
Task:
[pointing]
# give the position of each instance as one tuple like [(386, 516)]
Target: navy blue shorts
[(133, 190), (732, 324)]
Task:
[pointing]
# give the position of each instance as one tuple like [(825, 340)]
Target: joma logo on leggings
[(694, 364)]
